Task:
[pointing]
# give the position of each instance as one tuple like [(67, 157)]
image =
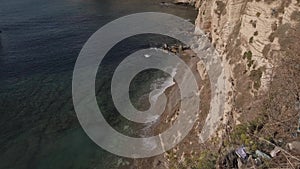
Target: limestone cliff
[(240, 31), (257, 42)]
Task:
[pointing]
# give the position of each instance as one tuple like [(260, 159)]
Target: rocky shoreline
[(172, 107), (250, 37)]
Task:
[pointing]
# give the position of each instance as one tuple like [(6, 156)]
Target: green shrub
[(207, 160), (247, 55)]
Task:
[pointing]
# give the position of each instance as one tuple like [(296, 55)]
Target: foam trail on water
[(160, 86)]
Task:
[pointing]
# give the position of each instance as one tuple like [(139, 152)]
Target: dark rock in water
[(165, 3), (177, 48), (181, 2), (186, 47)]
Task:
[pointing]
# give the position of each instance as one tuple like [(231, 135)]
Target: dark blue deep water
[(40, 42)]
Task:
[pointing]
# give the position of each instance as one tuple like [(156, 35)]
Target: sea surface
[(39, 44)]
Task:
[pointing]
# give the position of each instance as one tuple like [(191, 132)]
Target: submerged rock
[(182, 2), (165, 4)]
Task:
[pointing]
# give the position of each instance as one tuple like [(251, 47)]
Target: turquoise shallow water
[(39, 46)]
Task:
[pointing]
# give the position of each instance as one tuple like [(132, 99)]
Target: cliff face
[(240, 30), (257, 41)]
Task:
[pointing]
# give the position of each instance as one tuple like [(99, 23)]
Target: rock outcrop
[(256, 41), (240, 30)]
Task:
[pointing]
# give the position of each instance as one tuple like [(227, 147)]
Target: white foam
[(147, 56), (160, 86)]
